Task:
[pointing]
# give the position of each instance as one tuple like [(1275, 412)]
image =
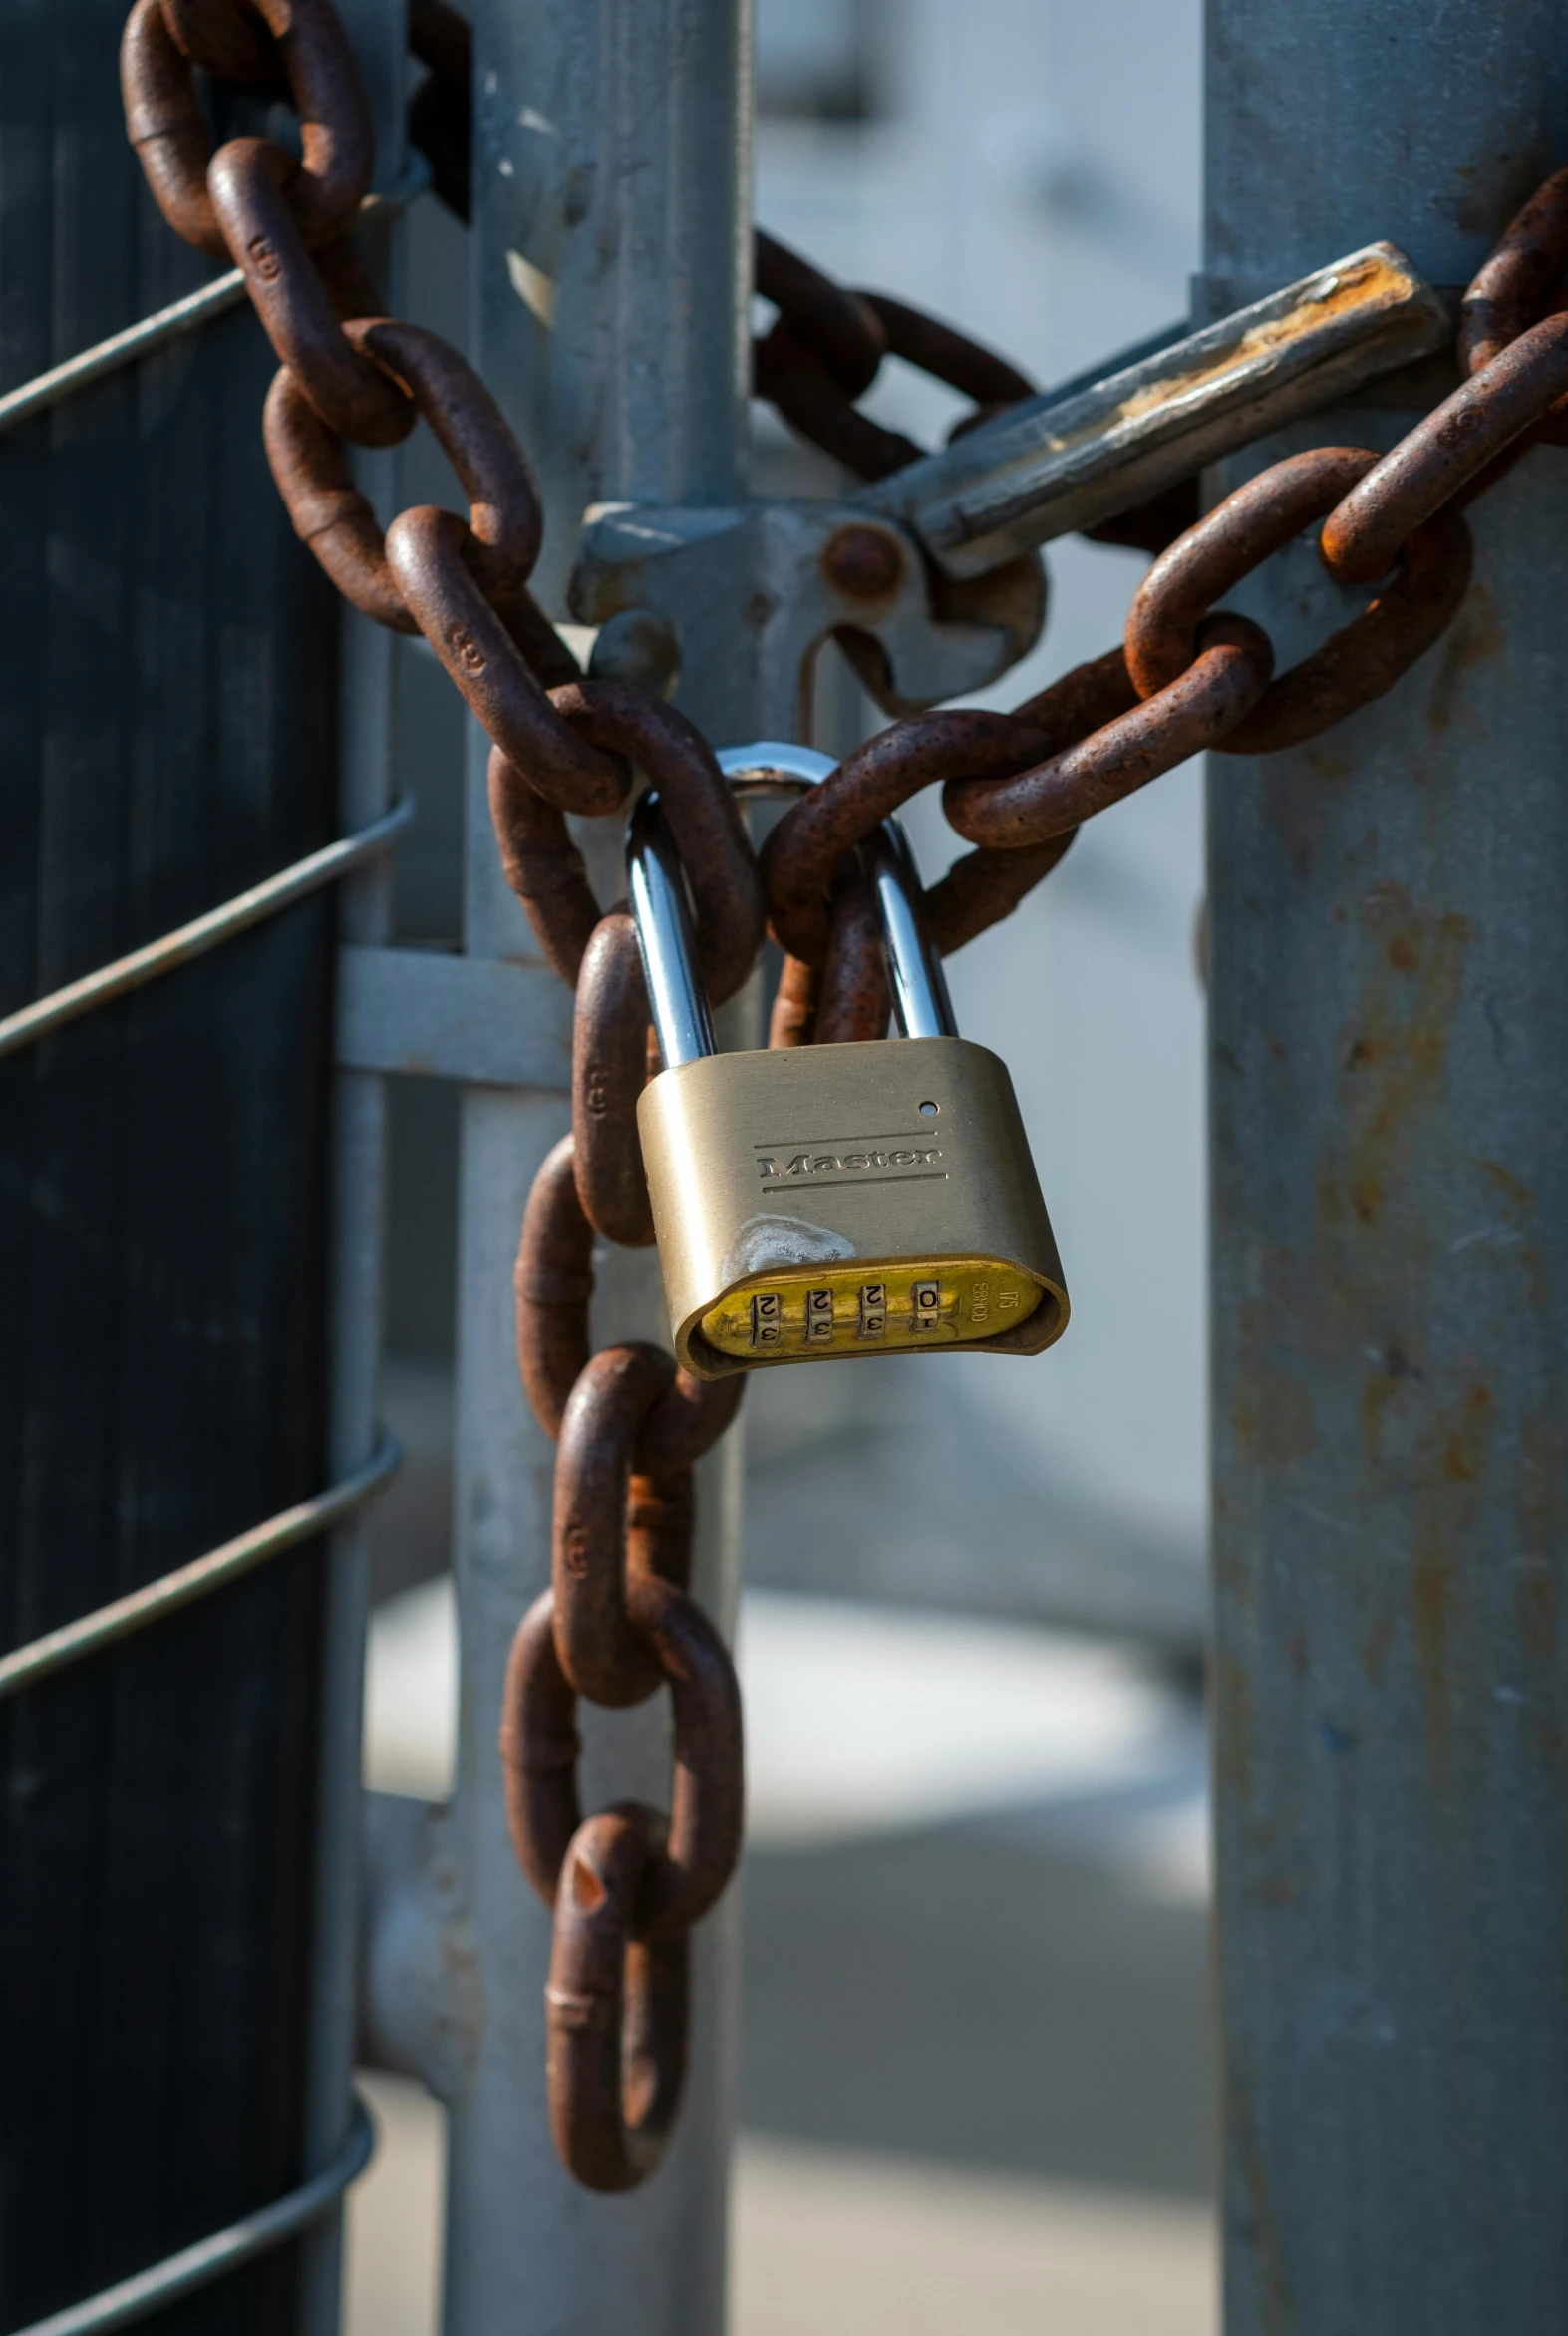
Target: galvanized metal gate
[(1388, 1342)]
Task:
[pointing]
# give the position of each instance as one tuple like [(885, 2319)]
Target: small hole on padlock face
[(930, 1109)]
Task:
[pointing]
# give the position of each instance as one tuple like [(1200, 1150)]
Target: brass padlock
[(814, 1202)]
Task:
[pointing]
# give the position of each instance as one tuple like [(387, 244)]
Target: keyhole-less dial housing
[(805, 1205)]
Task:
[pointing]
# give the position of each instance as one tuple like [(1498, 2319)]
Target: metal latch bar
[(1055, 464)]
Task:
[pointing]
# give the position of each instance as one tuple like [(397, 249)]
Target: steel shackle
[(766, 771)]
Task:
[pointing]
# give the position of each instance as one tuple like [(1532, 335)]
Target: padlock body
[(871, 1199)]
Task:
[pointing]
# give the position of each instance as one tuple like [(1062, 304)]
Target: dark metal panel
[(168, 660), (1391, 1301)]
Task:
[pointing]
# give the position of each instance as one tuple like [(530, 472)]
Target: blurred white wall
[(1030, 169)]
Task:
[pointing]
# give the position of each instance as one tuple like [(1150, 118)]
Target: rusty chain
[(1188, 678), (626, 1884), (618, 1621)]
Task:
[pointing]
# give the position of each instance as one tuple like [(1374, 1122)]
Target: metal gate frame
[(1390, 1206), (610, 250), (1389, 1037), (1376, 1619)]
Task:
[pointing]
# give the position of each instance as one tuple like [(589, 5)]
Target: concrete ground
[(974, 2060), (838, 2243)]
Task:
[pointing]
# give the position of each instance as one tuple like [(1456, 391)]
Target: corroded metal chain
[(618, 1622), (827, 346), (1017, 785), (1187, 679)]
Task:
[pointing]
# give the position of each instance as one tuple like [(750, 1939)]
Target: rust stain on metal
[(863, 562), (1274, 1419), (1370, 282), (1234, 1722), (1395, 1059), (1367, 1198), (1463, 1448), (1425, 1442), (1432, 1612), (1475, 638), (1507, 1184), (1247, 2156)]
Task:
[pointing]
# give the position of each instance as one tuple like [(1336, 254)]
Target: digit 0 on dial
[(965, 1300)]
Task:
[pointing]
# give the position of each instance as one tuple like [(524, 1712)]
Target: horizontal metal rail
[(194, 2266), (205, 932), (207, 2260), (154, 332), (26, 1665)]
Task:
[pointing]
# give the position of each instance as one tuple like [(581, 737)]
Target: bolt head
[(864, 563)]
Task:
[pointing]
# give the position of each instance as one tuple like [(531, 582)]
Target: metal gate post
[(611, 205), (1391, 1295)]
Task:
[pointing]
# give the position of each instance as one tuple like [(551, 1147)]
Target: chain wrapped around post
[(1189, 678), (618, 1622), (626, 1884)]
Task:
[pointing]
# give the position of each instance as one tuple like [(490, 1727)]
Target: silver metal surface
[(1055, 463), (665, 939), (152, 333), (421, 2012), (922, 1007), (40, 1656), (31, 1023), (1390, 1027), (774, 770), (610, 243), (693, 569), (196, 2266), (611, 146)]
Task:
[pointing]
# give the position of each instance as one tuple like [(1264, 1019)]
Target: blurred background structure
[(974, 2024)]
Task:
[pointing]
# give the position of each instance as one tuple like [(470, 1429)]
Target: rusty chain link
[(626, 1884), (618, 1622), (1187, 678)]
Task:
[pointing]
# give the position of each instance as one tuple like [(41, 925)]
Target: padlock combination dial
[(868, 1199)]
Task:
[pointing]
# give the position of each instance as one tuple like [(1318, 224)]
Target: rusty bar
[(1055, 463), (1390, 1022)]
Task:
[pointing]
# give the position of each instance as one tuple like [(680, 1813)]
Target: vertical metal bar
[(611, 200), (1391, 1291), (377, 30), (612, 215)]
